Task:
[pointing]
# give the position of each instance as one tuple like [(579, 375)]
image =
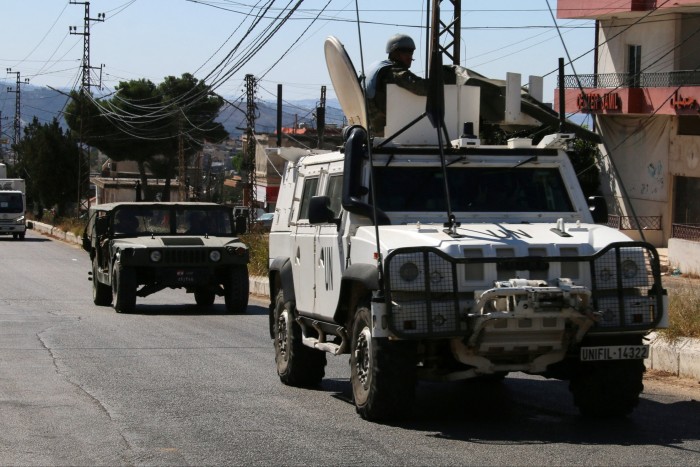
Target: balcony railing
[(686, 231), (631, 80)]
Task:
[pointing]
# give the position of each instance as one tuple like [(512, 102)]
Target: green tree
[(194, 108), (49, 159), (149, 124)]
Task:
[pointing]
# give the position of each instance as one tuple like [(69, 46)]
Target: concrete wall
[(684, 255), (656, 38)]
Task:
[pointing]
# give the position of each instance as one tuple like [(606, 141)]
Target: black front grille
[(184, 256), (625, 283)]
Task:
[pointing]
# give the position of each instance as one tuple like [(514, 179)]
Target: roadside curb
[(680, 358)]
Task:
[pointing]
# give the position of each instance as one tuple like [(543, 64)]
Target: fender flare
[(362, 276), (279, 276)]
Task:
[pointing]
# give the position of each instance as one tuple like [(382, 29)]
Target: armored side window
[(335, 193), (310, 188)]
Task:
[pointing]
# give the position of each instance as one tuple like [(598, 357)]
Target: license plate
[(185, 277), (614, 352)]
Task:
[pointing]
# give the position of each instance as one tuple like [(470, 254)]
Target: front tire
[(123, 289), (101, 293), (236, 290), (607, 389), (382, 372), (297, 364)]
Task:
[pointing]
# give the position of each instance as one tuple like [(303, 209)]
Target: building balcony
[(672, 93), (602, 9)]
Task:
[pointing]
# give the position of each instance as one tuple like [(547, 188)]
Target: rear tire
[(382, 372), (123, 289), (236, 290), (607, 389), (297, 364), (204, 296), (101, 293)]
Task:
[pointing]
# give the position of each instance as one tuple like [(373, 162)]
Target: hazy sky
[(156, 38)]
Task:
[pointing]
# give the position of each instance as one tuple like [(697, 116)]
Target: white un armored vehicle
[(369, 259)]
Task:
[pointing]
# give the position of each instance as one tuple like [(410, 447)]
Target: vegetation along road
[(175, 385)]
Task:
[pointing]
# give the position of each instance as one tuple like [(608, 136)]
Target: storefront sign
[(678, 102), (597, 102)]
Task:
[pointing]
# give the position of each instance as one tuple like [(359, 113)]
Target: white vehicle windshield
[(11, 203), (478, 189)]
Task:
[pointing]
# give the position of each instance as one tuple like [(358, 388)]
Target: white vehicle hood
[(590, 238)]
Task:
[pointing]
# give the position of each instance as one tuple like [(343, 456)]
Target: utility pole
[(84, 162), (249, 164), (18, 119), (3, 141), (321, 117), (86, 42), (182, 187), (449, 30)]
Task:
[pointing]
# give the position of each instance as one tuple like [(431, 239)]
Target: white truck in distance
[(13, 205), (468, 262)]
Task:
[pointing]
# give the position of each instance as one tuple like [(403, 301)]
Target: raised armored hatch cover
[(345, 82)]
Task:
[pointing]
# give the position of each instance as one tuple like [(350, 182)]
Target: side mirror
[(86, 242), (599, 209), (320, 211), (101, 225)]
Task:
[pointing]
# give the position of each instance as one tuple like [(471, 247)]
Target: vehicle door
[(329, 254), (302, 244)]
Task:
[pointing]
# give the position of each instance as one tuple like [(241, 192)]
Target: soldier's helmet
[(400, 41)]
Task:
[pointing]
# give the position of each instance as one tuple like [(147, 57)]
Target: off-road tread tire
[(236, 290), (607, 389), (123, 289), (392, 374), (204, 296), (298, 365), (101, 293)]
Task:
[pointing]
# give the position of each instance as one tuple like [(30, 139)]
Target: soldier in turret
[(394, 70)]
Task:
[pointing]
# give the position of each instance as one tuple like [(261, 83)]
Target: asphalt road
[(174, 385)]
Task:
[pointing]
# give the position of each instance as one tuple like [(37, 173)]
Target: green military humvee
[(138, 249)]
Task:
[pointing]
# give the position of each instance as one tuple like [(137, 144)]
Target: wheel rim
[(362, 356), (282, 333)]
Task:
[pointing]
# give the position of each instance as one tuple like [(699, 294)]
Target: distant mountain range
[(46, 103)]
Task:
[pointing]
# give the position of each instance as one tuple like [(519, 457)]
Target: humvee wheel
[(123, 289), (297, 364), (236, 290), (608, 389), (382, 373), (101, 293), (204, 296)]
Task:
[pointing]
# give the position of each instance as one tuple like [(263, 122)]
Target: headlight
[(409, 271), (156, 256), (605, 275), (215, 255), (629, 269), (20, 220)]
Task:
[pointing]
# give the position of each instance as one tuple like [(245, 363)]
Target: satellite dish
[(345, 82)]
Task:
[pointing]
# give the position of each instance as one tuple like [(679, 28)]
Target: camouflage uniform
[(381, 74)]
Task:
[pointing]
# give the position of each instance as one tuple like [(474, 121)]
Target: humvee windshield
[(477, 189), (180, 220)]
